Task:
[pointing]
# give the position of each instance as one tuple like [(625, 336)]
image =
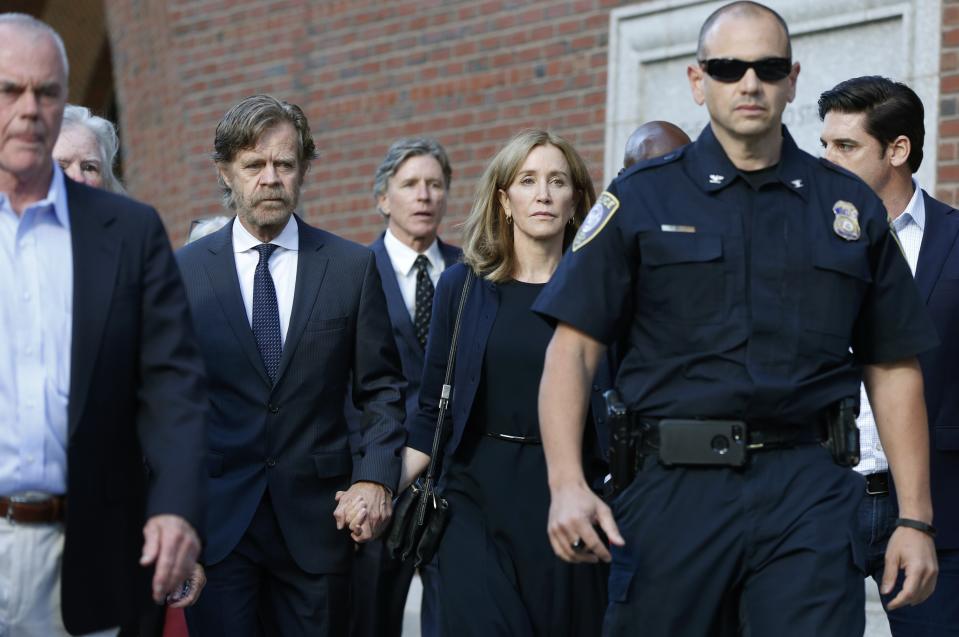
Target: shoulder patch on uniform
[(599, 215)]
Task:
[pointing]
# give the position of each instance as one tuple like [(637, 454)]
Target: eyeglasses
[(732, 70)]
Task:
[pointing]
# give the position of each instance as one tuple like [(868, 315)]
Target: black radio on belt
[(702, 442), (843, 433)]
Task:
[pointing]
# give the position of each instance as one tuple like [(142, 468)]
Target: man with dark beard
[(287, 316)]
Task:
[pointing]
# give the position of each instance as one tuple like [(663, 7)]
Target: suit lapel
[(221, 268), (451, 255), (96, 252), (310, 270), (399, 316), (938, 237)]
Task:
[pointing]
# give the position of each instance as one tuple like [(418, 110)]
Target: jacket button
[(273, 408), (271, 461)]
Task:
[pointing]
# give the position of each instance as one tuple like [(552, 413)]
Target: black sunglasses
[(732, 70)]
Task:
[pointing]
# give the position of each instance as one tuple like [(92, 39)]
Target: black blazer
[(136, 443), (937, 276), (292, 437), (479, 314)]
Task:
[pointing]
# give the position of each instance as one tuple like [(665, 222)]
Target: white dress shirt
[(908, 226), (36, 333), (402, 257), (282, 268)]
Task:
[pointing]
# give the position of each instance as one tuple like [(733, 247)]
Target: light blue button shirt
[(36, 309)]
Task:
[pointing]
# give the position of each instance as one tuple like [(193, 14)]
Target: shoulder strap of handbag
[(447, 386)]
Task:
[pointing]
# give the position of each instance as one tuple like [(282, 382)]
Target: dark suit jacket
[(411, 353), (937, 276), (136, 396), (292, 437), (479, 313)]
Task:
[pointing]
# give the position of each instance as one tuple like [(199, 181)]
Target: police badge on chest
[(846, 223)]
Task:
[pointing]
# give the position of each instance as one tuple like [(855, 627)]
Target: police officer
[(755, 286)]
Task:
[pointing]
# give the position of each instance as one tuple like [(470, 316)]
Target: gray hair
[(29, 23), (107, 141), (243, 124), (403, 149)]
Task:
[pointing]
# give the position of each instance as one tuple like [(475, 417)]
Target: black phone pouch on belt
[(701, 442)]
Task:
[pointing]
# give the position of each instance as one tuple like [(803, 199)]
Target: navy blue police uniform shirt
[(739, 300)]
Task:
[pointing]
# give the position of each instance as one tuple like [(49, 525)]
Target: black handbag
[(421, 512)]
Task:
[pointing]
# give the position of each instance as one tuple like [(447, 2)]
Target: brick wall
[(470, 73), (948, 170)]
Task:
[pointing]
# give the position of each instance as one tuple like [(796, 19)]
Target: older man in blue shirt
[(101, 402), (36, 255)]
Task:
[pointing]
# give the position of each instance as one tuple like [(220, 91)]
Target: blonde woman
[(498, 574)]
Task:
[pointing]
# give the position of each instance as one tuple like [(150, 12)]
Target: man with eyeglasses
[(753, 287)]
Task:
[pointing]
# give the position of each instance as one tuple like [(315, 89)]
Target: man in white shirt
[(411, 188), (874, 128), (288, 317)]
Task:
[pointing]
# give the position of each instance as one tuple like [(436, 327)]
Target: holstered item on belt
[(30, 508), (843, 432), (623, 456)]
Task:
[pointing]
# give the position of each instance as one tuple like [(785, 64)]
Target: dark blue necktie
[(266, 312), (423, 308)]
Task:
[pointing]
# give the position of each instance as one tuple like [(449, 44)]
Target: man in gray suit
[(287, 317)]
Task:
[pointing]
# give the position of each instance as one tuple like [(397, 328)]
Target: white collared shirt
[(283, 265), (909, 227), (36, 335), (402, 257)]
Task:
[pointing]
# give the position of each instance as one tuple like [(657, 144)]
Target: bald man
[(692, 262), (653, 139)]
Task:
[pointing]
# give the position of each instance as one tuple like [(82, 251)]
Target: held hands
[(573, 512), (365, 508), (915, 553), (172, 544)]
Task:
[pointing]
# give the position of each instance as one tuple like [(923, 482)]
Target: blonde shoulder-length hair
[(487, 238)]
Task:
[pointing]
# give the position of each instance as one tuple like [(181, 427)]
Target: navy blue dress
[(498, 573)]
